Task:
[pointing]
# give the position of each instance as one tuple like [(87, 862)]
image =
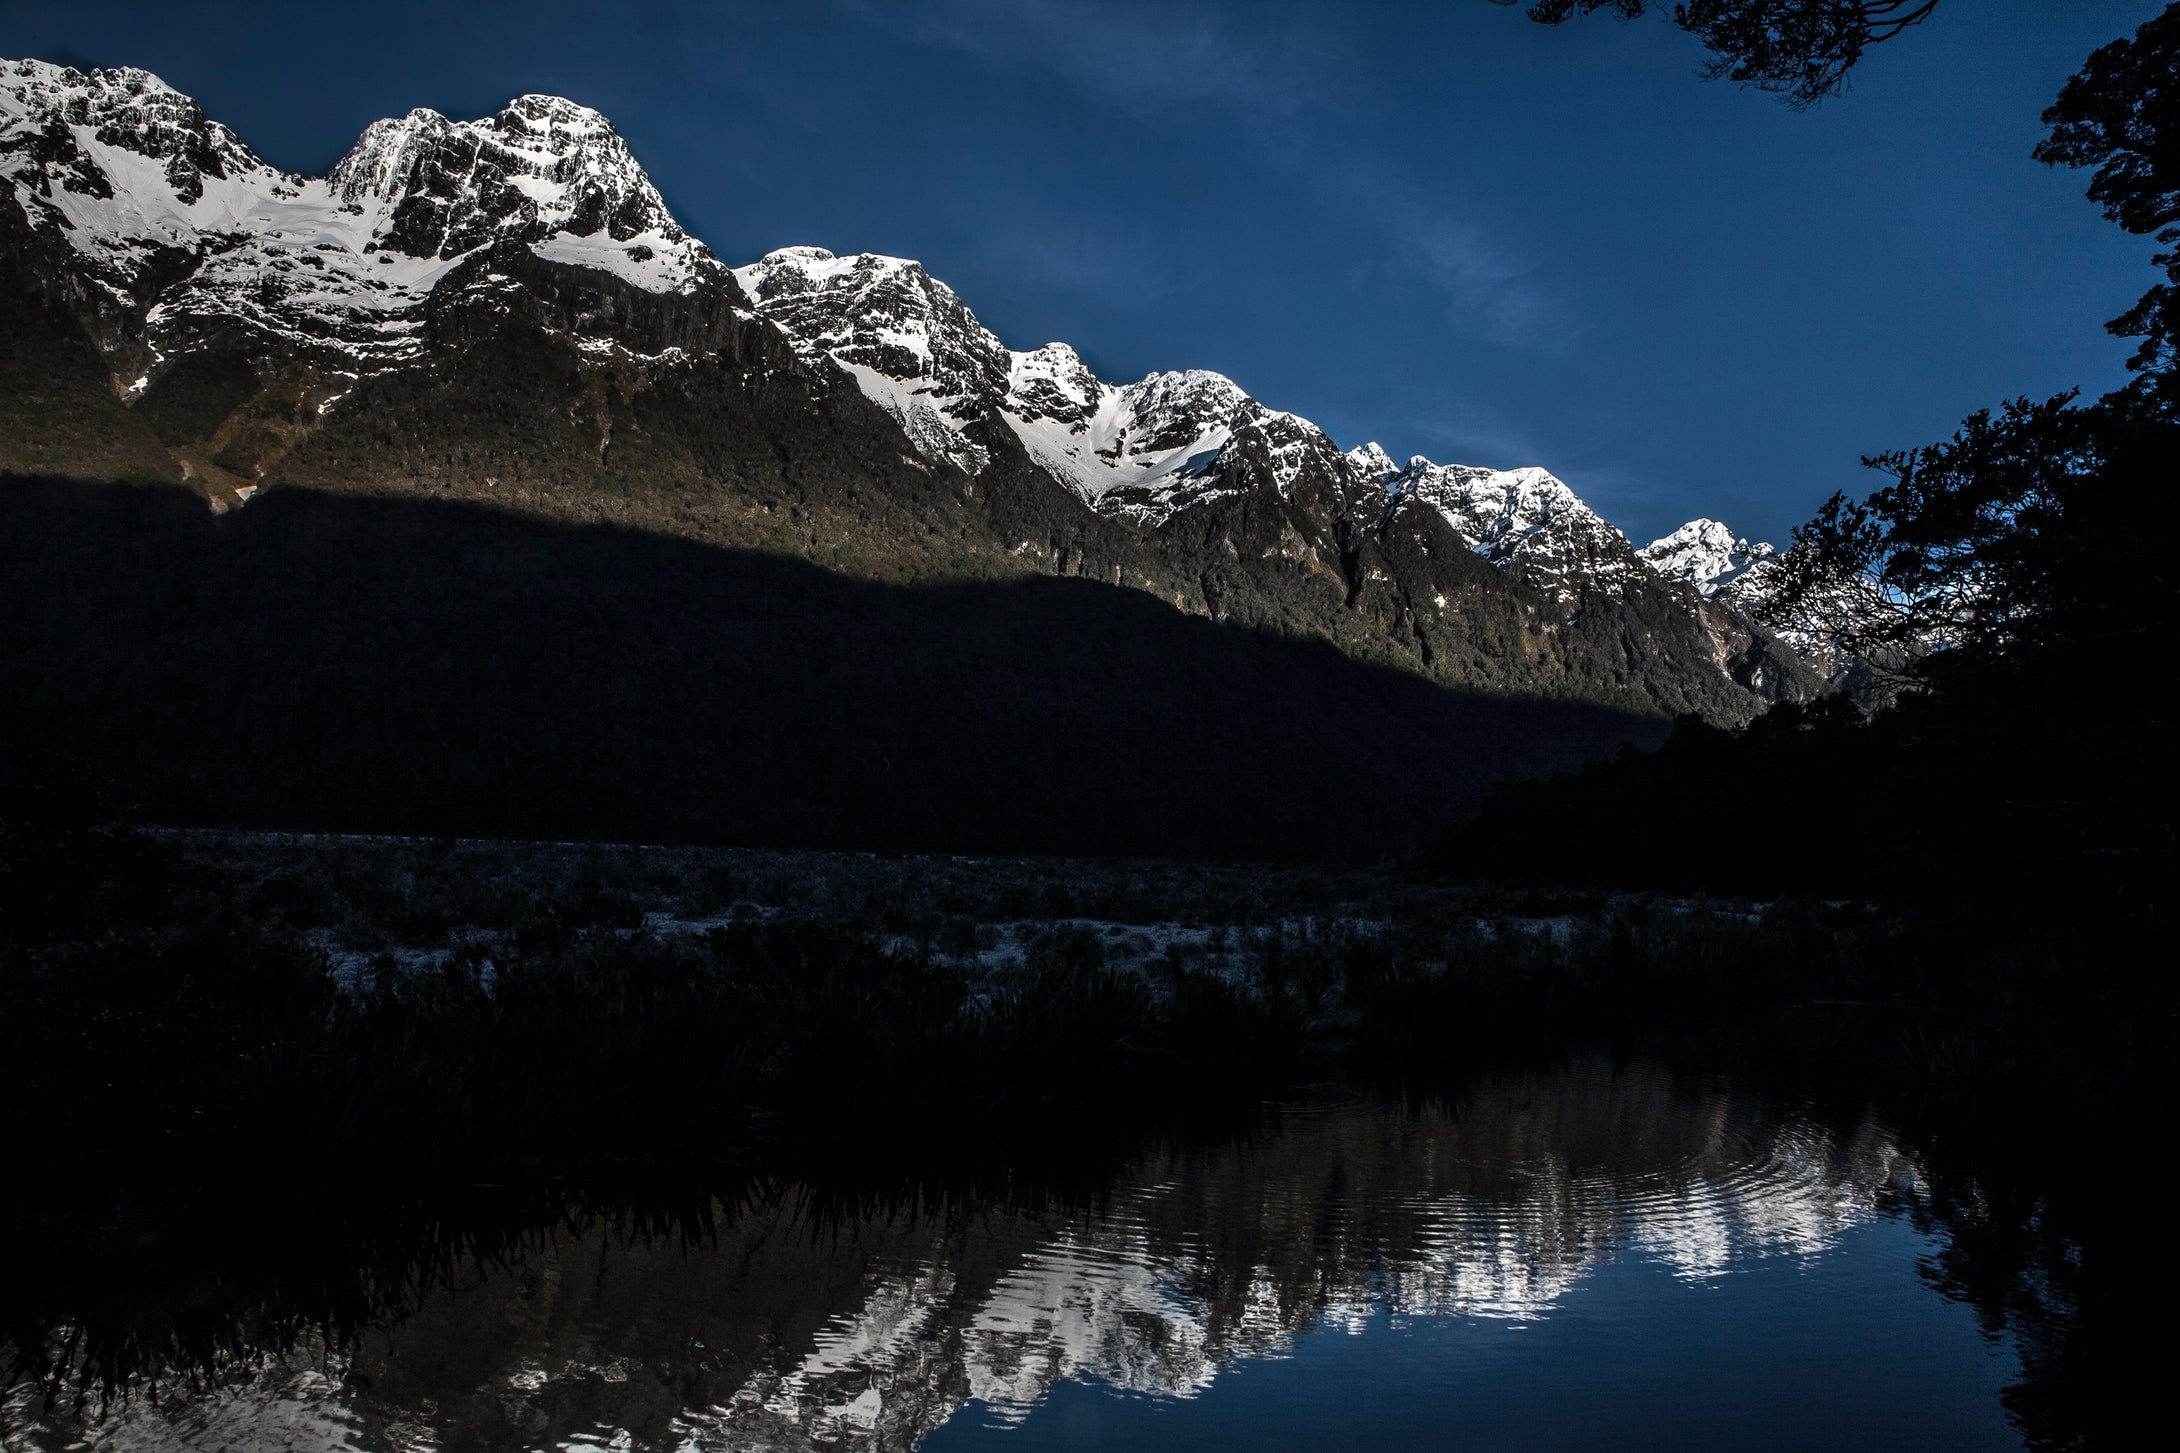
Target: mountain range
[(503, 313)]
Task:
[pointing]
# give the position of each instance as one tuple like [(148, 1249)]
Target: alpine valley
[(373, 500)]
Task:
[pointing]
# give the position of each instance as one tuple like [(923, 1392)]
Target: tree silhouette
[(2017, 576), (1800, 50), (2044, 526), (2121, 115)]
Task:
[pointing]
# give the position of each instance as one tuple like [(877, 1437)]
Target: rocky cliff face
[(170, 235), (504, 309), (1140, 451), (240, 305)]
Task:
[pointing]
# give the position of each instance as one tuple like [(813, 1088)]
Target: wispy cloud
[(1094, 257), (1146, 56), (1286, 75), (1485, 290), (1426, 243)]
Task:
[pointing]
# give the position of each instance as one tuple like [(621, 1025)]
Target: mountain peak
[(49, 80), (880, 313), (125, 114), (557, 114), (804, 265), (1193, 393), (917, 351), (126, 175), (800, 255), (540, 165), (1525, 517), (1372, 462), (1706, 554), (1053, 382)]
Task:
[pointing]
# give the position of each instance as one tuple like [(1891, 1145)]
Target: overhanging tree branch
[(1799, 50)]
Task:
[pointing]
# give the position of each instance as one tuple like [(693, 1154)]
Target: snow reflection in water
[(873, 1331)]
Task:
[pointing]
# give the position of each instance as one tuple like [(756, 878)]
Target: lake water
[(1593, 1256)]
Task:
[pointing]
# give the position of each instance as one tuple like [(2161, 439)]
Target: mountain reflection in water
[(796, 1329)]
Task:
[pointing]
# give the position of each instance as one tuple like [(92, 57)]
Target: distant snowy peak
[(1525, 519), (1053, 384), (881, 313), (1499, 510), (1743, 574), (1141, 450), (1148, 449), (1705, 554), (170, 214), (1371, 462), (126, 109), (907, 340)]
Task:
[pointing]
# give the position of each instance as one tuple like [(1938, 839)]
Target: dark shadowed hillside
[(406, 666)]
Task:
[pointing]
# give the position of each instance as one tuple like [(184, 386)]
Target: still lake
[(1594, 1255)]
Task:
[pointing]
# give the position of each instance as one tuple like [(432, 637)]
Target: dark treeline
[(342, 663), (2013, 759), (2047, 790)]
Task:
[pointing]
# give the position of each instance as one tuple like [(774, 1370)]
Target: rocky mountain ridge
[(1141, 451), (504, 309), (179, 230)]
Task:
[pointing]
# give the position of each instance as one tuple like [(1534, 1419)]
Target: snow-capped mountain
[(505, 310), (1153, 449), (186, 231), (1706, 554), (1527, 520), (1141, 450), (899, 333)]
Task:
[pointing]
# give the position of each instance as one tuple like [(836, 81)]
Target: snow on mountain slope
[(1527, 520), (1144, 450), (1148, 449), (139, 168), (903, 335), (1706, 554), (1370, 461), (170, 212), (1141, 450)]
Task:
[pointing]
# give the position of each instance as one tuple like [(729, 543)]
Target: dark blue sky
[(1433, 224)]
